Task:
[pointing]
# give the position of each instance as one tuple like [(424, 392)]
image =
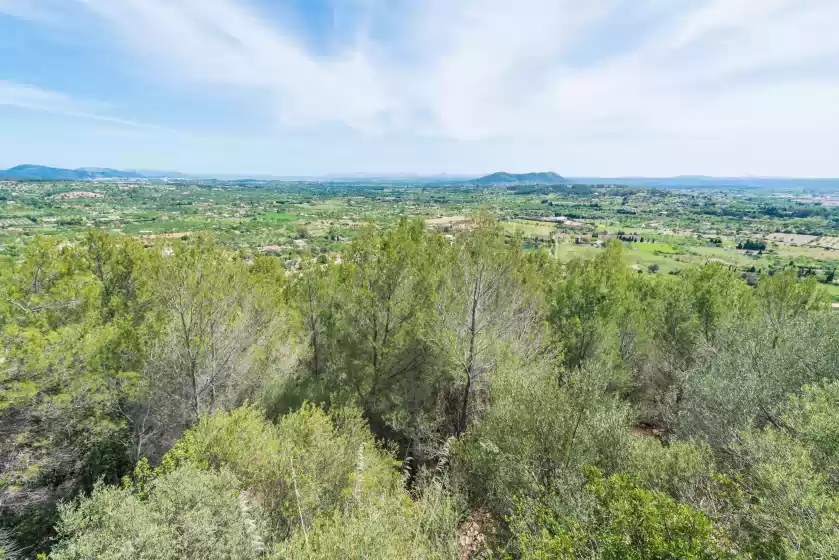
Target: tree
[(786, 473), (219, 340), (751, 370), (314, 297), (672, 333), (483, 303), (719, 295), (378, 356), (783, 297), (585, 303), (538, 434), (71, 365)]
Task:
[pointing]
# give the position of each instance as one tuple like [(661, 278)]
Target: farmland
[(664, 230)]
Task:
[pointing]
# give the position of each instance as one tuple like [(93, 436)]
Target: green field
[(679, 228)]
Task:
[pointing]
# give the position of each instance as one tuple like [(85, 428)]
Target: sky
[(311, 87)]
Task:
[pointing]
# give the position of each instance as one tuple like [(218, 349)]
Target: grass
[(529, 228), (655, 248), (644, 259), (570, 251), (277, 217)]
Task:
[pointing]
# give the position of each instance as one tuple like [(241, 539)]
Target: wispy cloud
[(557, 73), (34, 98), (491, 68), (37, 11), (225, 44)]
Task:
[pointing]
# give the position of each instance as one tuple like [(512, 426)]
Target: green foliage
[(685, 470), (493, 370), (813, 420), (318, 479), (751, 371), (367, 325), (72, 361), (486, 311), (381, 525), (538, 433), (625, 521), (773, 488), (587, 303), (305, 464), (785, 498), (718, 295), (784, 298), (187, 514), (218, 338)]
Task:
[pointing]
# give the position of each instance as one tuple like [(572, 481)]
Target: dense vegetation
[(428, 396)]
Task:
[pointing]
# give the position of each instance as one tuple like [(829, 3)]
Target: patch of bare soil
[(474, 534), (176, 235)]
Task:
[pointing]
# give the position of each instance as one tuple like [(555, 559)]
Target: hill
[(503, 178), (56, 173)]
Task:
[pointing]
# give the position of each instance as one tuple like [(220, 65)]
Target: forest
[(427, 395)]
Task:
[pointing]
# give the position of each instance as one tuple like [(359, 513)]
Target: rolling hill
[(55, 173), (503, 178)]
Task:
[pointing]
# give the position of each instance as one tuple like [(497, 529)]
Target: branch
[(36, 308)]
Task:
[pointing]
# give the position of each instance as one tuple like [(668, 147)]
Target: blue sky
[(309, 87)]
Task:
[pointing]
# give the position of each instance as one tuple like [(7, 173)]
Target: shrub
[(187, 514), (625, 521), (783, 498), (380, 525), (538, 433), (304, 465)]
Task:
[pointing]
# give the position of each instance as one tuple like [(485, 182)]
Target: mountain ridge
[(43, 172), (535, 178)]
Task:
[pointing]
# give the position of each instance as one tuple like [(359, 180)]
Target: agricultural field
[(664, 230)]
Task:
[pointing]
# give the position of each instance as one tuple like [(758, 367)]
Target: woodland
[(428, 396)]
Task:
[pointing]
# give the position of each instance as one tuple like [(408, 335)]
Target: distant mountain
[(502, 178), (706, 182), (157, 174), (422, 177), (86, 173)]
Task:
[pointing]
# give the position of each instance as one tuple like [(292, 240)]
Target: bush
[(318, 481), (784, 499), (752, 370), (380, 525), (685, 471), (304, 465), (187, 514), (625, 521), (537, 434)]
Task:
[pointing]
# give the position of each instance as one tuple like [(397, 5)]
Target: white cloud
[(483, 68), (500, 70), (221, 43), (34, 98), (52, 12)]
